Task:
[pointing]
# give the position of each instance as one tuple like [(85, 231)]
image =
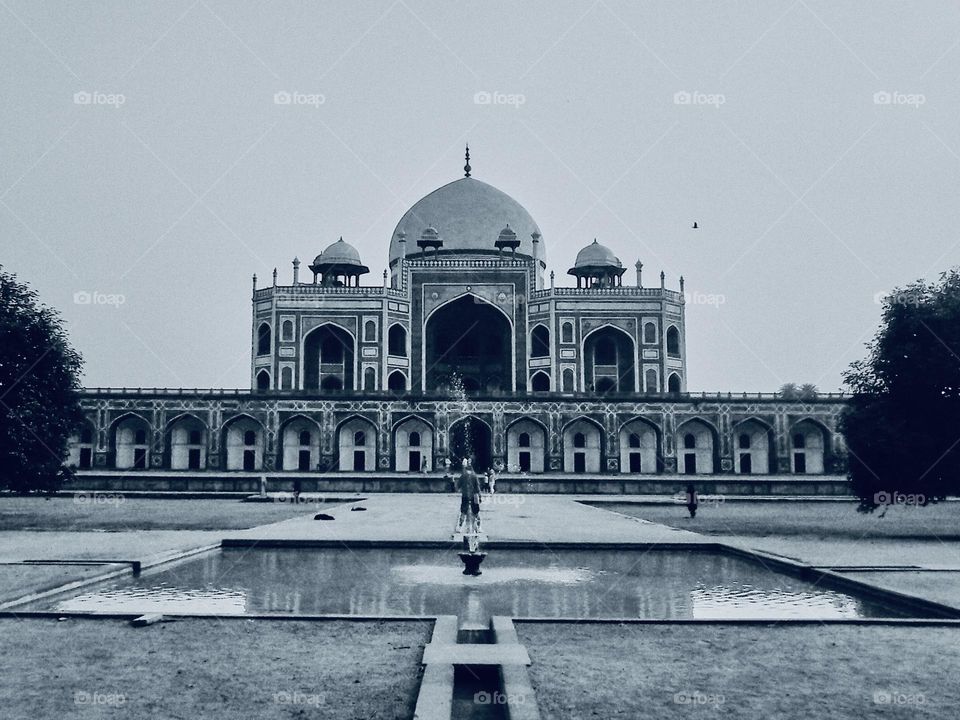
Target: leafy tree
[(789, 391), (902, 425), (808, 391), (39, 383), (792, 391)]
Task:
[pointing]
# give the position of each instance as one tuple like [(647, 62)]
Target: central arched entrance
[(470, 437), (468, 338)]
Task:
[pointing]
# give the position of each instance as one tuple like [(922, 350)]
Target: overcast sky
[(177, 175)]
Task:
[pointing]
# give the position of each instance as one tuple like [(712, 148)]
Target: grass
[(821, 520), (200, 668), (112, 512), (771, 672)]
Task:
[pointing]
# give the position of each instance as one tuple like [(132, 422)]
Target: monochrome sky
[(146, 170)]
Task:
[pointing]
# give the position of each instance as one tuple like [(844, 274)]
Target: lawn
[(199, 668), (771, 671), (823, 520), (112, 512)]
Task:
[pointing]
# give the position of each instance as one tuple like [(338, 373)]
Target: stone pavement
[(432, 517)]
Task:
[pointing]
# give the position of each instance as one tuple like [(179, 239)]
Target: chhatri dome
[(468, 216)]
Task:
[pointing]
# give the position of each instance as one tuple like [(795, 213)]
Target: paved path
[(432, 517)]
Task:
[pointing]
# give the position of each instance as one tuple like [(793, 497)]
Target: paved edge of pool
[(133, 569)]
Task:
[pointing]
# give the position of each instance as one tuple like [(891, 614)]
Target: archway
[(808, 444), (582, 447), (526, 447), (470, 438), (471, 338), (300, 444), (413, 446), (243, 443), (608, 355), (639, 447), (754, 449), (696, 448), (130, 443), (328, 355), (187, 443), (357, 442)]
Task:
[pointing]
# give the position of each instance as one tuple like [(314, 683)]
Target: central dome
[(469, 216)]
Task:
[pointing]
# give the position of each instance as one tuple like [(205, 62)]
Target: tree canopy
[(39, 384), (902, 425)]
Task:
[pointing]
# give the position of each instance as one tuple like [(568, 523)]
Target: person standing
[(692, 501), (469, 485)]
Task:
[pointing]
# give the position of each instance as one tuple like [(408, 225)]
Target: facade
[(467, 348)]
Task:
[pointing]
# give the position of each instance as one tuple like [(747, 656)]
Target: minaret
[(639, 266), (296, 271), (663, 280), (681, 284), (254, 282), (402, 239), (274, 277)]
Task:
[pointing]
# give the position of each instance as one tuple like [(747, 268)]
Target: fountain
[(468, 526)]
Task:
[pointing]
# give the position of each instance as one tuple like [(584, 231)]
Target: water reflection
[(573, 584)]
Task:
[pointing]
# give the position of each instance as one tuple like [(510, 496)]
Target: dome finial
[(466, 168)]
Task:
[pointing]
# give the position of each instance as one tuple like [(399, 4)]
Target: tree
[(902, 424), (789, 391), (39, 384), (792, 391), (809, 391)]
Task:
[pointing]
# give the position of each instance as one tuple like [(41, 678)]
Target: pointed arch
[(698, 446), (187, 438), (540, 382), (357, 443), (641, 446), (526, 454), (609, 359), (328, 350), (413, 444), (299, 443), (241, 450), (128, 449), (397, 340), (810, 456), (754, 446), (539, 341), (582, 445), (481, 357)]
